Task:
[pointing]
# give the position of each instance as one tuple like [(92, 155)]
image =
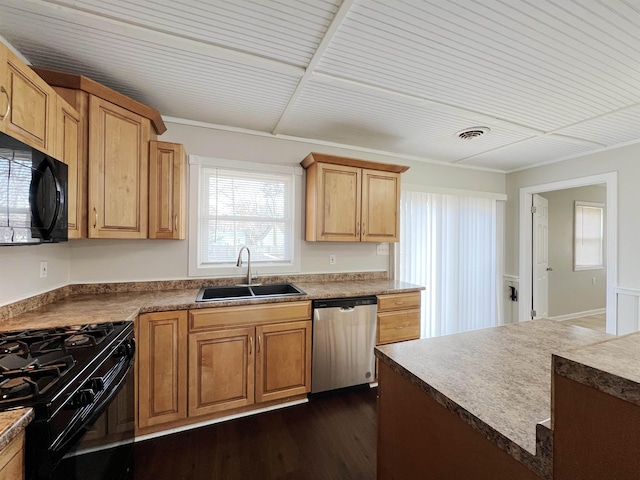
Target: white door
[(540, 283)]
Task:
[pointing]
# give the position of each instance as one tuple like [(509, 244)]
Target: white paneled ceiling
[(551, 78)]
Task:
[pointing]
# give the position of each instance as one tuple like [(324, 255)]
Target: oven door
[(105, 451)]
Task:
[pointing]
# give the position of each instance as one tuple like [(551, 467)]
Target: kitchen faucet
[(239, 264)]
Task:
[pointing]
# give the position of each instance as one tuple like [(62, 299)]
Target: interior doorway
[(568, 260), (526, 244)]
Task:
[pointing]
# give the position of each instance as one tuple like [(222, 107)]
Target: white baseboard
[(571, 316)]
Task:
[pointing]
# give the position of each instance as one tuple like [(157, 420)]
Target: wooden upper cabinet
[(113, 168), (380, 206), (69, 150), (167, 190), (350, 200), (29, 114), (333, 212), (5, 98), (118, 171)]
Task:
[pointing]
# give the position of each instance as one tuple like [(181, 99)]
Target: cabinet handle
[(6, 94), (364, 230), (95, 217), (358, 230), (399, 302), (250, 345), (175, 222), (259, 343)]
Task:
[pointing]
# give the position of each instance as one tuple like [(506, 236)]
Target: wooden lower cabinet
[(12, 459), (220, 361), (221, 370), (283, 363), (398, 317), (237, 367), (162, 367)]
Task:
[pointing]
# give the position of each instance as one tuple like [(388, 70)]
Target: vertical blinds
[(238, 208), (449, 244)]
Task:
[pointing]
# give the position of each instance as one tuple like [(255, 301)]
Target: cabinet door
[(380, 206), (31, 117), (162, 367), (69, 151), (118, 171), (12, 459), (221, 370), (121, 414), (167, 190), (283, 363), (5, 99), (338, 203)]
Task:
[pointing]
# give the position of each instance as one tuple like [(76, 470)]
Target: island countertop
[(498, 380)]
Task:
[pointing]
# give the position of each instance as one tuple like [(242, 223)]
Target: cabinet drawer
[(398, 301), (249, 314), (398, 326)]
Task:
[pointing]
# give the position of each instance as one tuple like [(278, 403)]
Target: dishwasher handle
[(347, 309)]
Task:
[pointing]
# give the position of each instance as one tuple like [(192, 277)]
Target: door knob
[(549, 269)]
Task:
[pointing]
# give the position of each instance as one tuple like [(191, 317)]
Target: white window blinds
[(588, 236), (240, 207), (452, 246)]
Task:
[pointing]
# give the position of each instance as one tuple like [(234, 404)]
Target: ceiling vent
[(472, 133)]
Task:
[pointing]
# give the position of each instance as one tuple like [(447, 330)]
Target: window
[(240, 204), (588, 236)]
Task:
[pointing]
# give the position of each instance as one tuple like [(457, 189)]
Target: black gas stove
[(69, 376)]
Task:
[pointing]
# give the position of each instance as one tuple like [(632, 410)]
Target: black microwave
[(33, 195)]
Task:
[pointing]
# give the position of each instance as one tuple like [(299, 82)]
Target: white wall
[(571, 291), (135, 260), (20, 270), (625, 161), (94, 261)]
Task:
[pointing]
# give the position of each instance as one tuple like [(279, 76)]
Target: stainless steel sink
[(212, 294)]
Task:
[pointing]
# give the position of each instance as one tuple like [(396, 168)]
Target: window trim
[(580, 268), (196, 163)]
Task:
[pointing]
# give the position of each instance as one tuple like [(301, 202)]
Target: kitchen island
[(487, 403)]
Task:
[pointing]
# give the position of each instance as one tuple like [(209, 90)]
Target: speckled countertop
[(498, 379), (12, 422), (602, 367), (101, 304)]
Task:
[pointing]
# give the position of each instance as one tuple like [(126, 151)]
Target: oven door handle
[(73, 432)]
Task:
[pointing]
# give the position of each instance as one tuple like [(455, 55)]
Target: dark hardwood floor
[(331, 437)]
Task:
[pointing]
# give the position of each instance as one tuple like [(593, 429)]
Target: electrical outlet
[(382, 249), (43, 269), (332, 259)]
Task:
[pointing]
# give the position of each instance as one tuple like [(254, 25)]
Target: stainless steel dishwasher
[(344, 336)]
